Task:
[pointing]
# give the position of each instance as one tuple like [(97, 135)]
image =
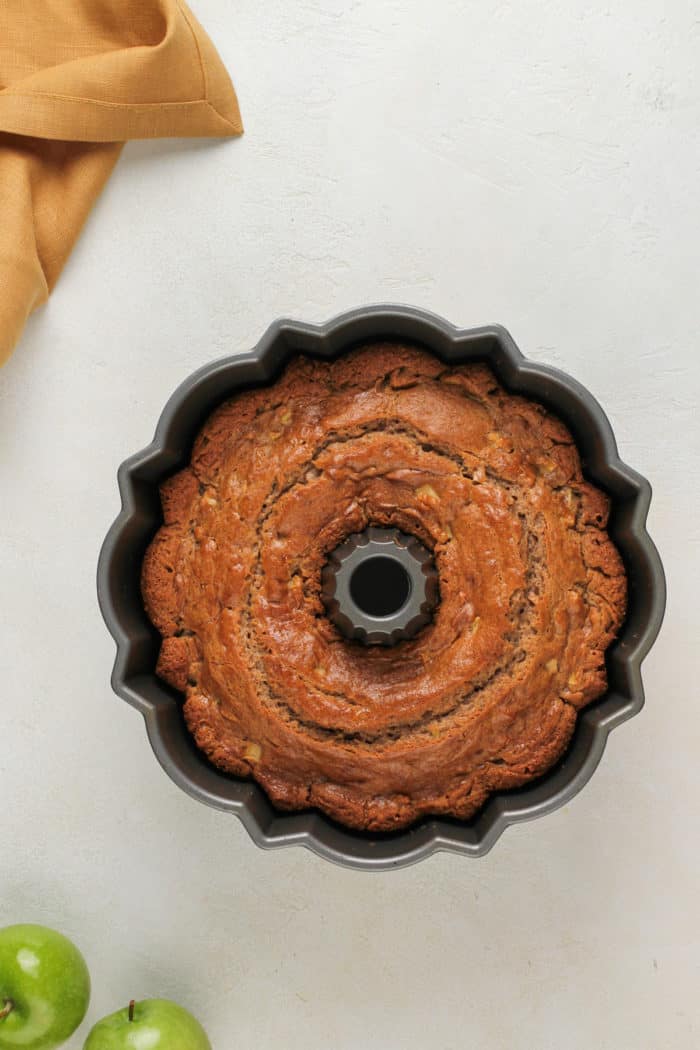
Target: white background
[(535, 164)]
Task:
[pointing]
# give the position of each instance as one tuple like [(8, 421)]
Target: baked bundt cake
[(531, 589)]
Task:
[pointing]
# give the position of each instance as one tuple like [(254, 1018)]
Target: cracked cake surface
[(532, 589)]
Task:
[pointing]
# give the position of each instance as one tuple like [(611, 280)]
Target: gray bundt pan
[(134, 678)]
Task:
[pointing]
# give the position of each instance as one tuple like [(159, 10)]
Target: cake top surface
[(531, 588)]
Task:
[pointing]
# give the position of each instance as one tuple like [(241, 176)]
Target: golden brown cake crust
[(532, 590)]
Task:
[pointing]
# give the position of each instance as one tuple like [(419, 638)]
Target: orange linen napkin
[(77, 79)]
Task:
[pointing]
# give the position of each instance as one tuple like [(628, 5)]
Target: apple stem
[(7, 1008), (132, 1005)]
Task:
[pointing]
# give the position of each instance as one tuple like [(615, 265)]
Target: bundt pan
[(134, 677)]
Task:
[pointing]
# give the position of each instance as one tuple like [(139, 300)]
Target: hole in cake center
[(380, 586)]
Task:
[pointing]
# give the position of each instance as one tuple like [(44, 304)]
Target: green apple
[(154, 1024), (44, 988)]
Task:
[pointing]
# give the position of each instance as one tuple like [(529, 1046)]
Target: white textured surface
[(532, 163)]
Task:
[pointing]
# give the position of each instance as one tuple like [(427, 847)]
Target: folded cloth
[(77, 79)]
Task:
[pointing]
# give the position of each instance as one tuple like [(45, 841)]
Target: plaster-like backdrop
[(534, 164)]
